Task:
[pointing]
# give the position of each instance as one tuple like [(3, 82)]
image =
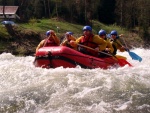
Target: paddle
[(133, 55), (121, 62), (46, 40)]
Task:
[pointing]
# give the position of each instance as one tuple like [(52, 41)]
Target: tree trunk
[(121, 13), (49, 14), (57, 10), (45, 7), (85, 11)]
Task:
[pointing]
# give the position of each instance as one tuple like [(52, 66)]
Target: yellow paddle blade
[(121, 57)]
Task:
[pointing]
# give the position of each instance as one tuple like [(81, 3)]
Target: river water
[(26, 89)]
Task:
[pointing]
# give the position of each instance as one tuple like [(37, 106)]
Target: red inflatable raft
[(52, 57)]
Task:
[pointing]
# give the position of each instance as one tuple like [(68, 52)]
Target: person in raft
[(68, 37), (109, 48), (89, 43), (117, 45), (50, 40)]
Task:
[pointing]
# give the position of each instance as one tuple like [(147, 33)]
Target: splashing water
[(26, 89)]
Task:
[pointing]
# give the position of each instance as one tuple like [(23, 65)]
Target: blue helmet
[(113, 32), (102, 32), (87, 28), (69, 33), (48, 33)]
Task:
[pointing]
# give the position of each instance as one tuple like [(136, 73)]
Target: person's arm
[(73, 38), (64, 43), (41, 44), (110, 47), (56, 39), (75, 43), (101, 43), (120, 46)]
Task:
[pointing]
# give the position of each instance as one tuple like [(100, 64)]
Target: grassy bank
[(4, 38), (61, 27), (30, 34)]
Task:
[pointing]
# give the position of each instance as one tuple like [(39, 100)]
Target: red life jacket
[(88, 41), (49, 42)]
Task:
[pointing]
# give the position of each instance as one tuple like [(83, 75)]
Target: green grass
[(60, 27), (98, 26), (4, 37), (3, 32)]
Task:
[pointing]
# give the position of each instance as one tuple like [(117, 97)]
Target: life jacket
[(49, 42), (88, 41), (115, 46)]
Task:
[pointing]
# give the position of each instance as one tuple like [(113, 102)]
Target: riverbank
[(27, 36)]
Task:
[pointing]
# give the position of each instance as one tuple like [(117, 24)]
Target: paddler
[(68, 37), (50, 40), (88, 39), (109, 48), (117, 45)]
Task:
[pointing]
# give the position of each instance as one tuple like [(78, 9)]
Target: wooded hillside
[(131, 14)]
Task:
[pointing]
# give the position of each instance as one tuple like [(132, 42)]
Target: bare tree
[(56, 6), (44, 1), (49, 8)]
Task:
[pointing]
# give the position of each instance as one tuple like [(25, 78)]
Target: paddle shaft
[(95, 50), (121, 62), (132, 54), (125, 43), (46, 41)]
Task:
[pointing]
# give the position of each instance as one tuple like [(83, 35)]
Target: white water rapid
[(26, 89)]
